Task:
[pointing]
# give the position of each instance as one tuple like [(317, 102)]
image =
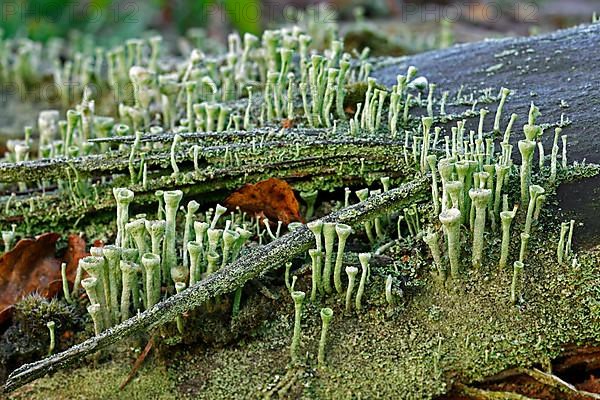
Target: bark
[(546, 69)]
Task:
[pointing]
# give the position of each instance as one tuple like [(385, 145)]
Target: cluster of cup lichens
[(147, 257), (473, 183), (327, 265)]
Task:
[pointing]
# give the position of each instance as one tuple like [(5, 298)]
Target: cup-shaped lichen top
[(112, 252), (200, 229), (123, 196), (92, 265), (316, 227), (455, 191)]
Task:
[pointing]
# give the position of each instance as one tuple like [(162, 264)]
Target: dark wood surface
[(564, 65)]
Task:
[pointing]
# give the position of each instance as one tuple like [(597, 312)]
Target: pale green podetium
[(315, 256), (51, 325), (326, 316), (524, 242), (151, 264), (123, 197), (178, 274), (432, 162), (450, 218), (195, 251), (363, 195), (129, 289), (298, 298), (554, 157), (192, 207), (504, 92), (432, 241), (560, 251), (137, 230), (506, 218), (97, 269), (316, 227), (351, 272), (527, 147), (65, 283), (156, 229), (310, 199), (112, 254), (515, 287), (534, 192), (329, 233), (179, 287), (364, 259), (480, 198), (96, 314), (343, 232)]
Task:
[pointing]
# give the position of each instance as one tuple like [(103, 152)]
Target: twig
[(554, 381), (490, 395), (138, 363)]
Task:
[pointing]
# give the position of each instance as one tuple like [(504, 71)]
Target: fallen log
[(557, 71)]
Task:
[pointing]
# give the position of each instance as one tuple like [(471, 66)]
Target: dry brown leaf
[(272, 198), (32, 266)]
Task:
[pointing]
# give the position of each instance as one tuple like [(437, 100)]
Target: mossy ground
[(435, 337)]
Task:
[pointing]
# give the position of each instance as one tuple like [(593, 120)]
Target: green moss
[(102, 382)]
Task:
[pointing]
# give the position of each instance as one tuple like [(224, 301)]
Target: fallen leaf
[(272, 198), (32, 266), (287, 123)]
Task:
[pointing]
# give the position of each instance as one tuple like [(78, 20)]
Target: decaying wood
[(226, 280), (318, 158), (557, 71)]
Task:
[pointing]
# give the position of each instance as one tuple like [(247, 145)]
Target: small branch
[(554, 381), (138, 363), (226, 280), (490, 395)]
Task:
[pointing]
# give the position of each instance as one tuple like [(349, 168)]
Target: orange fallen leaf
[(272, 198), (32, 266), (287, 123)]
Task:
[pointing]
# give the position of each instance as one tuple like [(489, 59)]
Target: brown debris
[(272, 198)]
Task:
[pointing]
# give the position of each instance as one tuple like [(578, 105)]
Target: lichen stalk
[(515, 287), (192, 207), (329, 233), (170, 268), (480, 198), (524, 242), (298, 298), (560, 251), (450, 218), (151, 264), (326, 316), (432, 241), (315, 256), (506, 218), (351, 272), (112, 254), (534, 192), (364, 259), (195, 251), (526, 148), (343, 232)]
